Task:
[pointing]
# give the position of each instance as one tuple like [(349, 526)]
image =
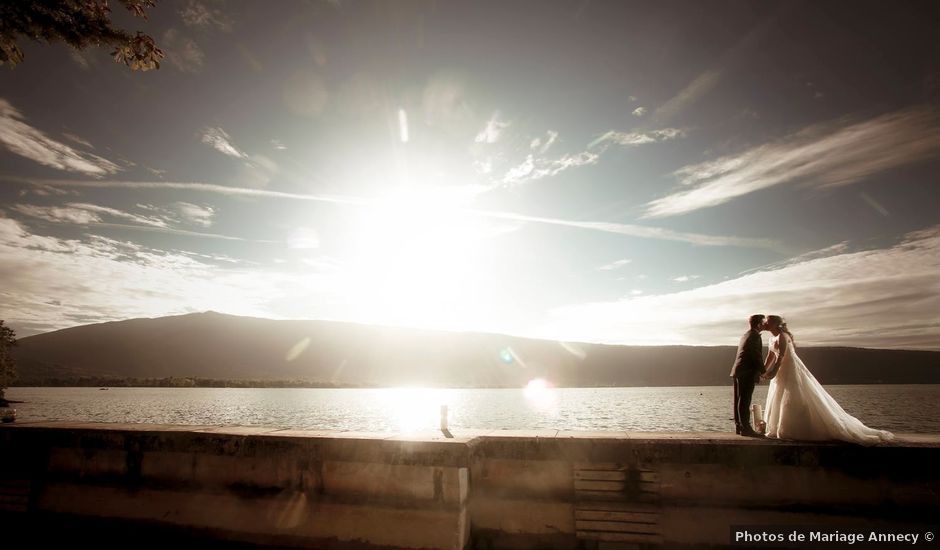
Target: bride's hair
[(783, 325)]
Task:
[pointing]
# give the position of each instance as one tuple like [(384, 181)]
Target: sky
[(619, 172)]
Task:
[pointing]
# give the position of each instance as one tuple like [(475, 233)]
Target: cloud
[(534, 168), (196, 214), (114, 212), (820, 156), (196, 187), (58, 214), (79, 140), (182, 51), (638, 138), (607, 227), (94, 215), (52, 283), (493, 130), (542, 145), (879, 298), (639, 111), (614, 265), (521, 172), (24, 140), (184, 232), (202, 15), (684, 278), (258, 171), (277, 144), (640, 231), (219, 140)]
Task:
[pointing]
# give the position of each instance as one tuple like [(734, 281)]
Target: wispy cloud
[(58, 214), (536, 165), (197, 187), (541, 144), (884, 298), (97, 215), (635, 138), (114, 212), (183, 52), (78, 139), (196, 214), (493, 129), (204, 15), (534, 168), (181, 213), (685, 278), (614, 265), (820, 156), (219, 140), (24, 140), (641, 231), (184, 232), (258, 171), (607, 227), (639, 111), (52, 283)]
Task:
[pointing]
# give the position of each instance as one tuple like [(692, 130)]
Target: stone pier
[(484, 489)]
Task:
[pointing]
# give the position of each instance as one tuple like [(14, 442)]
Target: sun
[(414, 258)]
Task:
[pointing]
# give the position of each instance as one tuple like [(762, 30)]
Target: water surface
[(901, 408)]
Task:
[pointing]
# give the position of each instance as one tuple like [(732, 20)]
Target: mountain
[(218, 346)]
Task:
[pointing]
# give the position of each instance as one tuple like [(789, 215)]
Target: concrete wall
[(558, 489), (289, 488), (497, 489)]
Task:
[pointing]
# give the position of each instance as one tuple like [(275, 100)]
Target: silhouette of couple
[(798, 407)]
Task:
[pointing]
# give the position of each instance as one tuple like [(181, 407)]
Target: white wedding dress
[(798, 407)]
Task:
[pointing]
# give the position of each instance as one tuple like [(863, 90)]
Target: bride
[(798, 407)]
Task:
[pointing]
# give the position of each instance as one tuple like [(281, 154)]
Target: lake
[(901, 408)]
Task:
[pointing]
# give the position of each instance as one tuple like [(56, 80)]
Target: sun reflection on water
[(540, 393), (413, 409)]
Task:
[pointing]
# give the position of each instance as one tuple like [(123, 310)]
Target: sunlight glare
[(413, 409), (540, 393), (413, 259)]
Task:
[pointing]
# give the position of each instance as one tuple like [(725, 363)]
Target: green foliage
[(78, 23), (7, 365)]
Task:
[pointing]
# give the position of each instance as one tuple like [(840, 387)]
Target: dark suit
[(746, 371)]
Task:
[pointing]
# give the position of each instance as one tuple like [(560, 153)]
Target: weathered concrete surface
[(487, 489), (307, 489), (664, 488)]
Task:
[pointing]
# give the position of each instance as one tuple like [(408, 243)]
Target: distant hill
[(218, 346)]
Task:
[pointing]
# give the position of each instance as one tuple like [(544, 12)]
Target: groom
[(747, 368)]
